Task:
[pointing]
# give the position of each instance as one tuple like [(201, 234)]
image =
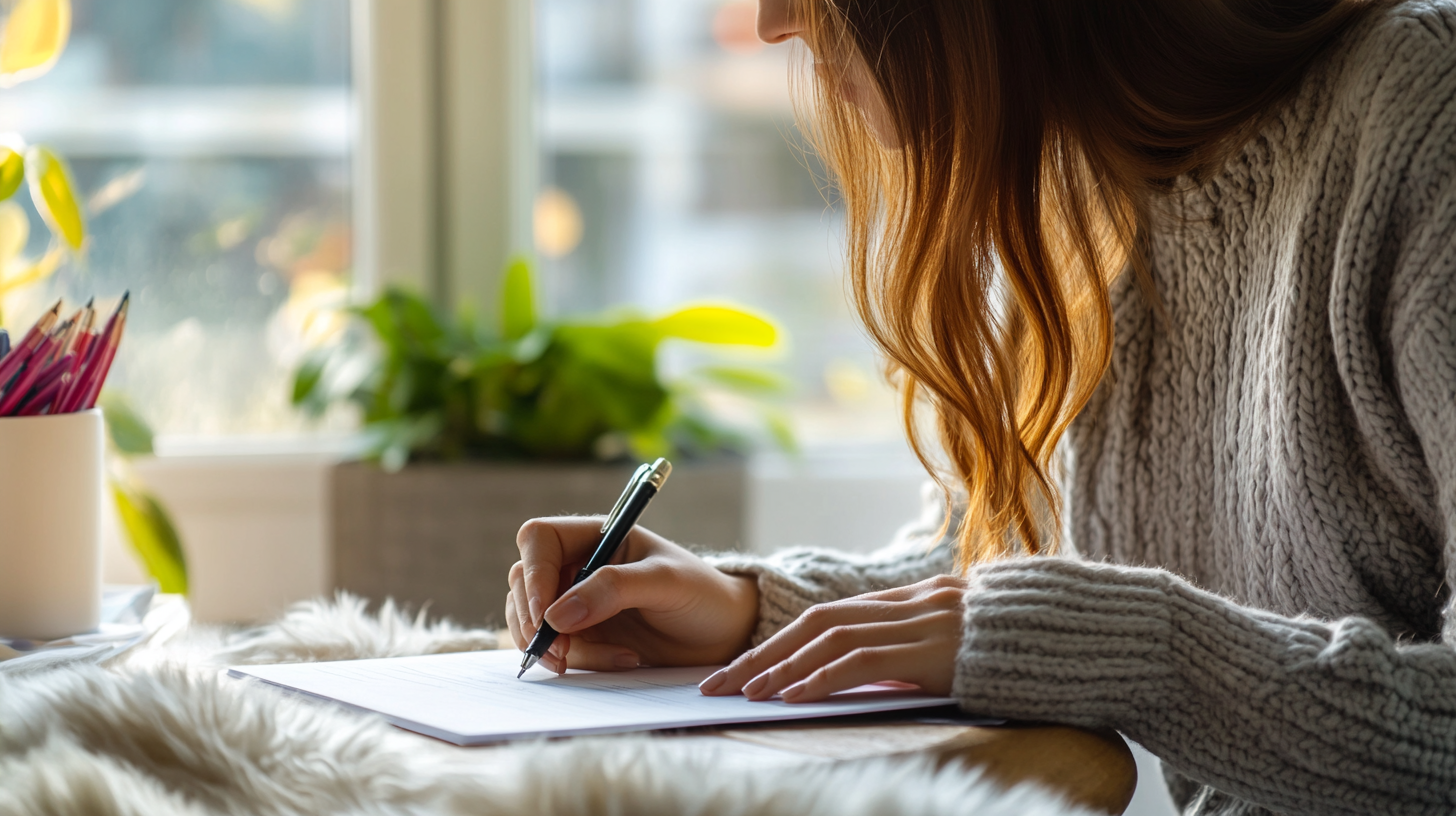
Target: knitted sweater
[(1262, 493)]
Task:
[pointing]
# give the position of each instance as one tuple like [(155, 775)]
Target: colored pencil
[(53, 372), (10, 366), (83, 326), (98, 371), (44, 397), (76, 392), (61, 364), (33, 368)]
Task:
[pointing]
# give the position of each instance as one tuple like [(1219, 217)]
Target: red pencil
[(85, 350), (21, 353), (27, 378), (53, 372), (83, 397), (44, 397)]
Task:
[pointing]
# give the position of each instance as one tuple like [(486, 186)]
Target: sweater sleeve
[(791, 581), (1296, 715)]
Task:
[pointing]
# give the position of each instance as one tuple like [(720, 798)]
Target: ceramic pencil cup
[(51, 482)]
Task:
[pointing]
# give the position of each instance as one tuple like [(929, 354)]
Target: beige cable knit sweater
[(1263, 491)]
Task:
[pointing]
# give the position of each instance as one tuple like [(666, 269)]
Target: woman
[(1184, 270)]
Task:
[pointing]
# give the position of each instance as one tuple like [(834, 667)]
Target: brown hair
[(1030, 138)]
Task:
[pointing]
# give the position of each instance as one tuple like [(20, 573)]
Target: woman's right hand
[(657, 604)]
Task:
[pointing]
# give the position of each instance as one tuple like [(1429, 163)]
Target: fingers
[(546, 545), (828, 648), (853, 637), (862, 666), (813, 623), (600, 656), (513, 624), (651, 585), (516, 600)]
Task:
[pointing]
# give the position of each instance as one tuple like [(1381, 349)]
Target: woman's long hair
[(1030, 136)]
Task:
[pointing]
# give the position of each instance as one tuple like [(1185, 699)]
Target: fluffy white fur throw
[(166, 734)]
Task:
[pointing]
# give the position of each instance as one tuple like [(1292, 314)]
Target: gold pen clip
[(622, 500)]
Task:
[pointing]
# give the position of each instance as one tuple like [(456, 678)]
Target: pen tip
[(521, 673)]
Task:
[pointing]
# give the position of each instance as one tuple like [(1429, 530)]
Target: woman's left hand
[(909, 634)]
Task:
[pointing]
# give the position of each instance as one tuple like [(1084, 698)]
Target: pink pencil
[(85, 350), (21, 353), (53, 372), (44, 397), (85, 319), (84, 398), (27, 378)]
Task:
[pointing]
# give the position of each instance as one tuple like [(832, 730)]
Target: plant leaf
[(36, 272), (153, 536), (720, 325), (14, 233), (518, 301), (12, 172), (129, 432), (54, 195), (34, 37), (781, 429), (308, 377), (751, 381)]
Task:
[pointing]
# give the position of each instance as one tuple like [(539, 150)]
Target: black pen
[(643, 485)]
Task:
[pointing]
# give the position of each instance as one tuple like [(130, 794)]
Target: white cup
[(51, 481)]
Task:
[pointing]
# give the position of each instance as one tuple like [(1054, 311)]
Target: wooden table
[(1094, 769)]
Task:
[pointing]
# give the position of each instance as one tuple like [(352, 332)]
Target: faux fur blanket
[(165, 733)]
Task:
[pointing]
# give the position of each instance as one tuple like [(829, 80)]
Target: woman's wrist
[(742, 591)]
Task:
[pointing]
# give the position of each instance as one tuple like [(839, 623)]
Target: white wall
[(254, 529)]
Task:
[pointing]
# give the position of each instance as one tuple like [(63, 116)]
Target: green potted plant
[(472, 428)]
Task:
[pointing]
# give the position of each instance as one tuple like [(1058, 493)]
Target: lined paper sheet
[(474, 698)]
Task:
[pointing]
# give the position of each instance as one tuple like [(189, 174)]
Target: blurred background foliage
[(583, 388)]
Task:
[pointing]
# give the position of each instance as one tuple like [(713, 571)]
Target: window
[(211, 139), (214, 141), (670, 173)]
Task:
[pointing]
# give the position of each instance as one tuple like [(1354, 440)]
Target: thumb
[(611, 589)]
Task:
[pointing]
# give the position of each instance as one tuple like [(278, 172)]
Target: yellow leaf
[(12, 172), (53, 194), (34, 37), (36, 272), (722, 325), (14, 232)]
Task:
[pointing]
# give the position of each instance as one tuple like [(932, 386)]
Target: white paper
[(473, 698)]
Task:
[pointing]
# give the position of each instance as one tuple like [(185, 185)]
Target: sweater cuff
[(781, 598), (1067, 641)]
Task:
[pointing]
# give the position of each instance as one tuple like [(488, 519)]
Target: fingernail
[(714, 682), (535, 612), (755, 686), (569, 612), (625, 661), (793, 692)]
